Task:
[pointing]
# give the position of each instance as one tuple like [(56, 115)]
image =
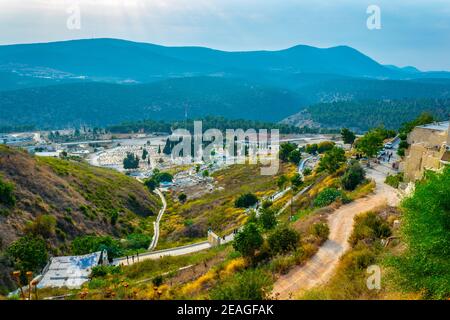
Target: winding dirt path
[(322, 265)]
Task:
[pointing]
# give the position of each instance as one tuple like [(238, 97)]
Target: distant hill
[(102, 104), (363, 115), (102, 82)]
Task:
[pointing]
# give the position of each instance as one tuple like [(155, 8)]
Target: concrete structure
[(429, 149), (71, 271)]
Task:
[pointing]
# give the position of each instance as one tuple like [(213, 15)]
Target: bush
[(7, 193), (320, 230), (327, 196), (182, 197), (283, 239), (137, 241), (246, 200), (29, 253), (248, 240), (394, 180), (307, 171), (246, 285), (102, 271), (44, 225), (369, 227), (353, 176), (88, 244), (325, 146), (268, 218)]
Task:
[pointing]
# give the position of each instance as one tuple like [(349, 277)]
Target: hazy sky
[(413, 32)]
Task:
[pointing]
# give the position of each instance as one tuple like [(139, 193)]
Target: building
[(71, 271), (429, 149)]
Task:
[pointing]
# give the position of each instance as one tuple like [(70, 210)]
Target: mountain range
[(105, 81)]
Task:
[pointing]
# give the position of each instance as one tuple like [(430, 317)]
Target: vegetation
[(348, 136), (28, 253), (425, 264), (246, 200), (131, 161), (394, 180), (365, 114), (370, 143), (283, 239), (369, 227), (245, 285), (267, 218), (7, 196), (248, 240), (328, 196), (353, 176), (332, 160)]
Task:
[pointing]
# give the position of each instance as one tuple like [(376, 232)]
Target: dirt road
[(322, 265)]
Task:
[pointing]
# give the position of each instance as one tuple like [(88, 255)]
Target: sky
[(412, 32)]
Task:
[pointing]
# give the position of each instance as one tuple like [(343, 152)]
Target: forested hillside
[(363, 115)]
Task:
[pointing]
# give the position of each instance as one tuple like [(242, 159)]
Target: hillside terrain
[(61, 200), (365, 114)]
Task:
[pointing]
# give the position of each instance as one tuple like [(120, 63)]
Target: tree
[(311, 148), (325, 146), (307, 171), (151, 184), (370, 143), (296, 180), (205, 173), (295, 156), (268, 218), (131, 161), (182, 197), (281, 181), (353, 176), (348, 136), (29, 253), (248, 240), (285, 150), (332, 160), (424, 118), (144, 154), (246, 200), (283, 239), (88, 244)]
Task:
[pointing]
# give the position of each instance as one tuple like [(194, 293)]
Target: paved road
[(155, 238), (321, 266)]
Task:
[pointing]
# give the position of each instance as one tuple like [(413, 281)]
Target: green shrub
[(268, 218), (248, 240), (137, 241), (88, 244), (353, 176), (328, 196), (29, 253), (320, 230), (394, 180), (7, 193), (102, 271), (283, 239), (369, 226), (246, 285), (246, 200)]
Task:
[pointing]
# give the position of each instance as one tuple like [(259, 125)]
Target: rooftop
[(439, 126), (70, 271)]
